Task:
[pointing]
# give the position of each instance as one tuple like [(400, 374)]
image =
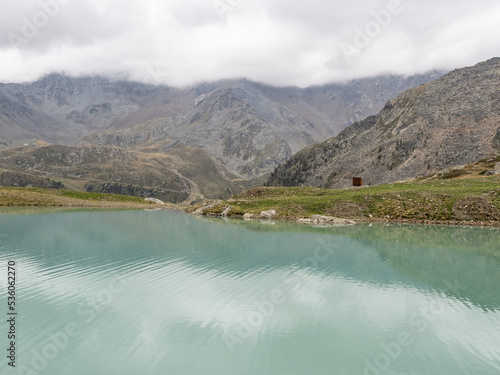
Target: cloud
[(180, 42)]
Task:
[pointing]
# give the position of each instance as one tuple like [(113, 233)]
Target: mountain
[(62, 109), (185, 173), (446, 123), (218, 137), (251, 128)]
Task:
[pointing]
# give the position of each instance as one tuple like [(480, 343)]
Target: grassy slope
[(65, 198), (458, 199), (146, 168)]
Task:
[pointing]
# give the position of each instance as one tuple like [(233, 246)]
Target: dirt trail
[(194, 189)]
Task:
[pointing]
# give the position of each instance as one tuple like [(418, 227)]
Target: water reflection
[(156, 292)]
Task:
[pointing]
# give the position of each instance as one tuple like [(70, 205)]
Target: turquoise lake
[(137, 292)]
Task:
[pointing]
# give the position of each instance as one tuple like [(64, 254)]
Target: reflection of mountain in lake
[(461, 262)]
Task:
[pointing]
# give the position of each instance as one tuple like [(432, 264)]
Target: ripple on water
[(153, 293)]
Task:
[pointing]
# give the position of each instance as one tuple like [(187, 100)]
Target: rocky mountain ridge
[(250, 127)]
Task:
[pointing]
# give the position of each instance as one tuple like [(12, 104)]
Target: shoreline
[(188, 210), (298, 205), (454, 223), (221, 210), (40, 197)]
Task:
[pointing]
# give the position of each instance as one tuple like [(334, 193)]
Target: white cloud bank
[(180, 42)]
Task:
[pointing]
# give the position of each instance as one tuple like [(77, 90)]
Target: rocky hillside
[(452, 121), (62, 109), (186, 173)]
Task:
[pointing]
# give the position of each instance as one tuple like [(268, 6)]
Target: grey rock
[(269, 214), (154, 200), (226, 211), (201, 211)]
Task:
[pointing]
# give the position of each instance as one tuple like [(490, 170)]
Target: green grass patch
[(53, 197), (419, 200), (100, 196)]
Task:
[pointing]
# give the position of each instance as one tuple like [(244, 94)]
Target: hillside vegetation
[(446, 200), (183, 173), (32, 197), (463, 196)]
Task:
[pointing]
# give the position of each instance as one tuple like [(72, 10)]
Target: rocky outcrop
[(201, 211), (494, 171), (449, 122), (214, 209)]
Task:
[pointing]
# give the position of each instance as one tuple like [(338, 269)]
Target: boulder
[(226, 211), (493, 172), (201, 210), (154, 200), (268, 214)]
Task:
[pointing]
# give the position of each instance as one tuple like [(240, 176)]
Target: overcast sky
[(280, 42)]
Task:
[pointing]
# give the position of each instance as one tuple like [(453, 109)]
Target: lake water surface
[(135, 292)]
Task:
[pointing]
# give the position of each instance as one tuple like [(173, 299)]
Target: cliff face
[(452, 121)]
